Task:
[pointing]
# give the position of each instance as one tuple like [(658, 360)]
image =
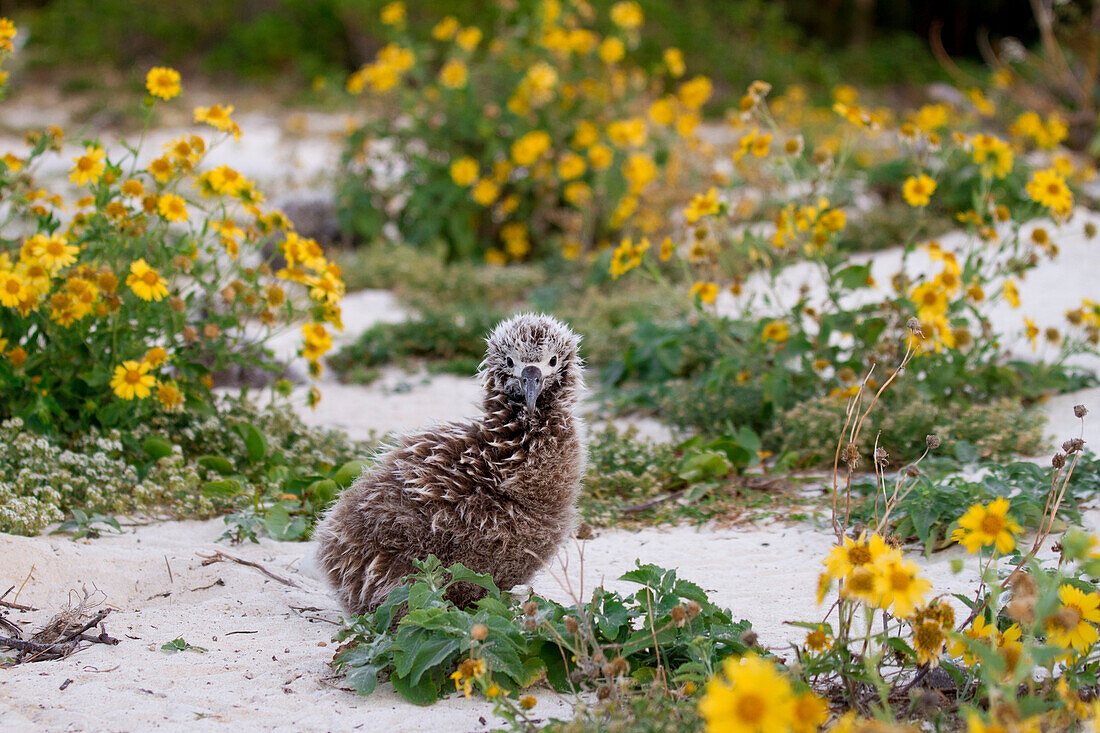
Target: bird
[(497, 493)]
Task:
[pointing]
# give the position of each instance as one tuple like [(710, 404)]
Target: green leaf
[(348, 472), (157, 447), (226, 487), (462, 574), (708, 464), (423, 692), (282, 526), (254, 442), (323, 491), (420, 652), (363, 679), (217, 464)]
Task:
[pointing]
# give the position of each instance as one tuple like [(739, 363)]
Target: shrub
[(527, 132), (157, 281), (420, 641), (234, 455)]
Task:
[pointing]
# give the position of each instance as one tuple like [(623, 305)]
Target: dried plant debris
[(61, 636)]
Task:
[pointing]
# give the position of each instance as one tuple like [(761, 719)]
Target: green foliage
[(997, 429), (187, 463), (928, 512), (717, 375), (417, 637), (81, 525), (180, 645), (452, 342), (650, 710)]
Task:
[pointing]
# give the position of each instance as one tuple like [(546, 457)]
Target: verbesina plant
[(123, 295)]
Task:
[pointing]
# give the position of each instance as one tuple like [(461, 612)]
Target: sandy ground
[(268, 645)]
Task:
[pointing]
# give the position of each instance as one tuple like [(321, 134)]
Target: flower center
[(992, 524), (899, 580), (859, 555), (150, 278), (750, 708), (1054, 189), (12, 286), (133, 376)]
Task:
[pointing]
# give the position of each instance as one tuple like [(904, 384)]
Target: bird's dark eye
[(511, 363), (554, 360)]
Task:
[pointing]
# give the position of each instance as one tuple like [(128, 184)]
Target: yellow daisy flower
[(748, 695), (132, 380), (88, 167), (1071, 626), (163, 82), (146, 282)]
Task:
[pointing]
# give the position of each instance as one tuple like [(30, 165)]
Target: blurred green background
[(819, 43)]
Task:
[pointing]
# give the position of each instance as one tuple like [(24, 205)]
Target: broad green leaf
[(216, 464), (157, 447)]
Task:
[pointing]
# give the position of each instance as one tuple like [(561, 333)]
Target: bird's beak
[(531, 380)]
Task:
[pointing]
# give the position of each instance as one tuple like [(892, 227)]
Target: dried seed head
[(693, 609), (912, 471), (1073, 445), (913, 324), (1058, 460), (851, 455), (584, 532), (480, 632), (603, 692), (619, 666), (1080, 410), (530, 608), (881, 456), (530, 624), (571, 625), (679, 615), (932, 441), (749, 637), (1024, 586)]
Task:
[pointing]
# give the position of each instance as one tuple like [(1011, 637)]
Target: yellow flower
[(453, 74), (844, 558), (663, 111), (7, 32), (818, 639), (1032, 333), (571, 166), (585, 136), (931, 117), (170, 396), (468, 38), (639, 171), (630, 132), (750, 695), (146, 282), (809, 712), (393, 13), (160, 169), (163, 82), (611, 50), (1070, 626), (601, 157), (317, 341), (775, 331), (918, 190), (674, 60), (707, 291), (702, 205), (931, 300), (1011, 293), (898, 583), (56, 252), (445, 29), (12, 289), (627, 14), (693, 94), (485, 192), (529, 148), (88, 167), (667, 248), (132, 380), (172, 208), (219, 118), (1049, 189), (993, 155), (464, 171)]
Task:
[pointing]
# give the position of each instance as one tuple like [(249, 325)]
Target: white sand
[(278, 678)]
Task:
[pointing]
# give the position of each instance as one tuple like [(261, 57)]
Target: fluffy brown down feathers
[(496, 494)]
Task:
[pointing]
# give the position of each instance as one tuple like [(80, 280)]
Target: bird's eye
[(554, 360), (511, 364)]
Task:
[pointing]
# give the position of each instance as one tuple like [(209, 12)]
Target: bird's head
[(532, 359)]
